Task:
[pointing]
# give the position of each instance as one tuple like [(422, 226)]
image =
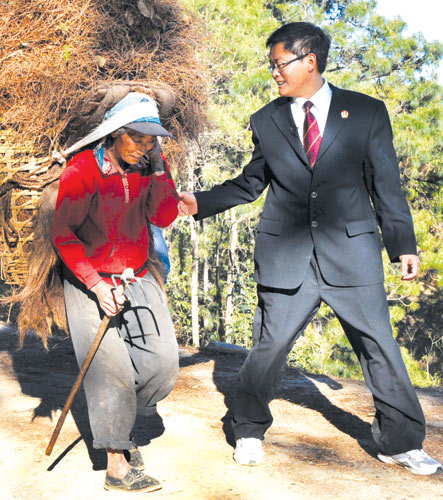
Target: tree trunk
[(218, 294), (205, 272), (194, 284), (194, 245), (205, 268), (232, 274)]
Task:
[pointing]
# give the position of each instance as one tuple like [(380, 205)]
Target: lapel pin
[(344, 113)]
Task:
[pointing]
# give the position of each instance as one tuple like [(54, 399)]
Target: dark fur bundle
[(41, 299), (107, 94)]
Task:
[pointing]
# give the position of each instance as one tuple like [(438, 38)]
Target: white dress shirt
[(321, 101)]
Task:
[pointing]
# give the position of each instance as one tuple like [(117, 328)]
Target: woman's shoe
[(134, 481)]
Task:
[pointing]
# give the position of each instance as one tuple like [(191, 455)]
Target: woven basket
[(22, 179)]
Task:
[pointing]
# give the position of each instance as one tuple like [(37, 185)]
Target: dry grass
[(53, 52)]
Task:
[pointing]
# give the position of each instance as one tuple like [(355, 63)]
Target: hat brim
[(149, 128)]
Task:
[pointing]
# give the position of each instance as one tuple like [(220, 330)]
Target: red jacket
[(100, 220)]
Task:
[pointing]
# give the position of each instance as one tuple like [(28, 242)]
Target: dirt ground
[(319, 446)]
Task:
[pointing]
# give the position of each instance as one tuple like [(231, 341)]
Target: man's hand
[(409, 266), (187, 204), (110, 300)]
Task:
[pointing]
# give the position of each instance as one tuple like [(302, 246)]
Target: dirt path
[(318, 448)]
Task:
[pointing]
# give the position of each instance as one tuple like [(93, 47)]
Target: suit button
[(314, 223), (314, 194)]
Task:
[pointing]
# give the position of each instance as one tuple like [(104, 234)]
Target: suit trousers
[(136, 364), (282, 316)]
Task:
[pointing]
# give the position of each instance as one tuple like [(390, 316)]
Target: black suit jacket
[(328, 207)]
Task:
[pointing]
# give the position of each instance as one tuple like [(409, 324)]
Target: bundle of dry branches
[(54, 56)]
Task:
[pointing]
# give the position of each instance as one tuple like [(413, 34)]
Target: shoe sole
[(248, 464), (389, 460), (148, 489)]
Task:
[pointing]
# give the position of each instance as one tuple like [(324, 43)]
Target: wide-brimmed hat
[(136, 111)]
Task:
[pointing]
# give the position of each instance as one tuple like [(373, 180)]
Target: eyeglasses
[(280, 67)]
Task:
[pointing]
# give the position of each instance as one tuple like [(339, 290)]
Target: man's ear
[(311, 59)]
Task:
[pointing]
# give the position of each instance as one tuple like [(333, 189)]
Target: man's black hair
[(303, 38)]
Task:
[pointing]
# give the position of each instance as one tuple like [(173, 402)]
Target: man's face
[(132, 146), (294, 79)]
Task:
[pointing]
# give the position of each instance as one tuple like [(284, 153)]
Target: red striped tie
[(311, 134)]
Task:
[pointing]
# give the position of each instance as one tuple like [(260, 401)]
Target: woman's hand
[(109, 299)]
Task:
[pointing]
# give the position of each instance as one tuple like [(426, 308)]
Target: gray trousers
[(136, 364), (282, 316)]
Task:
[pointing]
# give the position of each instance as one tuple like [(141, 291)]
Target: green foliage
[(244, 309), (179, 289), (419, 370), (368, 54), (324, 349)]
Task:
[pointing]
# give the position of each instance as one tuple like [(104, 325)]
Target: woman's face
[(132, 146)]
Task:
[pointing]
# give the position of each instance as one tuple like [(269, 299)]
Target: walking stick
[(127, 275)]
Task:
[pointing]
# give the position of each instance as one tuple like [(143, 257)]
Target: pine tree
[(368, 54)]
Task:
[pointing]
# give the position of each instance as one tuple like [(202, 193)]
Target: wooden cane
[(81, 375)]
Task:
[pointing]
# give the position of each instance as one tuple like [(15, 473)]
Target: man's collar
[(320, 99)]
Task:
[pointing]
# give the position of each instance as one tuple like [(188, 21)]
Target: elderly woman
[(107, 198)]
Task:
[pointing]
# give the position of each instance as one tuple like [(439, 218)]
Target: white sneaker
[(417, 461), (248, 451)]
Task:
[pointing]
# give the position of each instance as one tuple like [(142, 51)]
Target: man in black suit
[(327, 156)]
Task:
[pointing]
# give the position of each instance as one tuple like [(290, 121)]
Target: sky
[(420, 15)]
